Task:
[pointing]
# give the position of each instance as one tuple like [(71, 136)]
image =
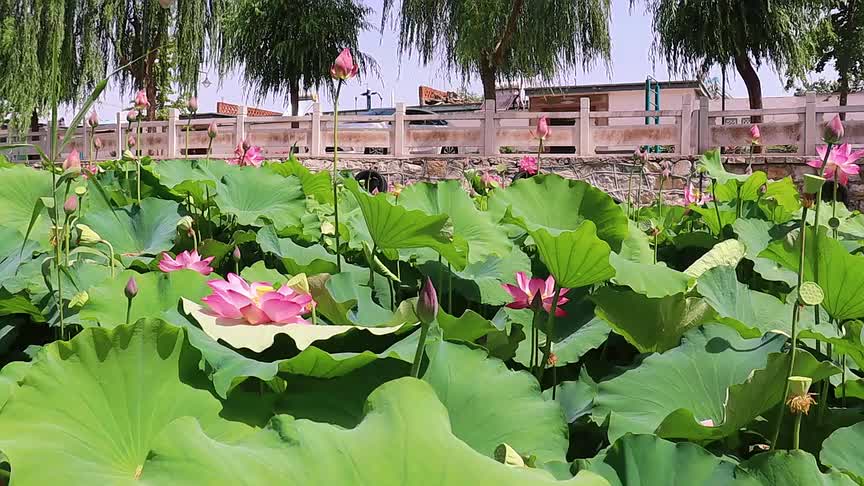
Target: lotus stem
[(629, 193), (716, 206), (128, 309), (539, 151), (372, 267), (536, 369), (418, 355), (138, 152), (796, 432), (335, 167), (550, 335), (110, 256), (449, 288)]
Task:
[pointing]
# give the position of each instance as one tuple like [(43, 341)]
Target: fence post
[(684, 121), (240, 125), (490, 146), (121, 140), (704, 142), (173, 117), (315, 143), (397, 142), (585, 147), (85, 141), (811, 125)]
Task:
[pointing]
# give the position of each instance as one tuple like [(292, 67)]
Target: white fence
[(687, 131)]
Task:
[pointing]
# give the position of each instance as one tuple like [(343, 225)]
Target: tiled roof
[(231, 109)]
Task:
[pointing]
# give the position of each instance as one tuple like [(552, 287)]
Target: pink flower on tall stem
[(842, 162), (141, 102), (528, 165), (258, 302), (692, 195), (247, 155), (186, 261), (834, 131), (524, 293), (543, 129), (755, 135), (344, 68)]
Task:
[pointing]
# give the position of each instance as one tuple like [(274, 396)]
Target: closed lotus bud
[(166, 3), (427, 304), (192, 104), (834, 131), (71, 204), (344, 68), (87, 236), (755, 134), (73, 161), (97, 142), (212, 130), (543, 129), (93, 119), (131, 289), (130, 141), (132, 116), (236, 254), (141, 102)]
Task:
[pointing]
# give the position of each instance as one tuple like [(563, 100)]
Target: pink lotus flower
[(491, 180), (186, 260), (132, 116), (344, 68), (666, 169), (90, 171), (192, 104), (834, 131), (212, 130), (755, 135), (692, 195), (528, 165), (543, 129), (527, 288), (141, 102), (842, 162), (93, 119), (247, 156), (258, 302), (707, 423), (73, 160)]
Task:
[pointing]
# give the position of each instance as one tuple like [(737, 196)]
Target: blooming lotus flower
[(72, 161), (528, 165), (93, 119), (834, 131), (258, 302), (141, 102), (527, 288), (251, 156), (90, 171), (344, 68), (842, 162), (543, 129), (755, 135), (692, 195), (186, 260)]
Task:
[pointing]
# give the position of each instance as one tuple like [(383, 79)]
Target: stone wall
[(610, 173)]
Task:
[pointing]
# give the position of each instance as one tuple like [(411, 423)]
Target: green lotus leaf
[(651, 280), (481, 281), (647, 460), (714, 375), (12, 304), (318, 185), (636, 247), (780, 202), (576, 398), (94, 406), (485, 238), (346, 299), (190, 177), (492, 405), (394, 227), (746, 190), (405, 411), (756, 236), (709, 215), (260, 337), (728, 253), (575, 258), (650, 324), (256, 198), (842, 451), (712, 163), (311, 260), (21, 189), (158, 294), (792, 468), (573, 336), (136, 231)]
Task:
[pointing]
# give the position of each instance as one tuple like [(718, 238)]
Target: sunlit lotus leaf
[(256, 198), (137, 231), (842, 451), (728, 253)]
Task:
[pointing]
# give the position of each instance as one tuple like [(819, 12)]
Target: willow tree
[(283, 45), (693, 36), (503, 40), (841, 43)]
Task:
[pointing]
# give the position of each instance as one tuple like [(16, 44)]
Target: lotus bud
[(236, 254), (71, 204), (93, 119), (543, 129), (834, 131), (192, 104), (185, 223), (73, 161), (212, 130), (427, 304), (799, 399), (98, 144), (755, 135), (141, 102), (131, 289), (132, 116), (344, 68), (87, 236), (130, 141)]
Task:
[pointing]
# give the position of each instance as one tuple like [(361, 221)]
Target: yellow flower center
[(260, 291)]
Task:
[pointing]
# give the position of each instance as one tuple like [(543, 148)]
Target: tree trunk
[(844, 91), (294, 93), (488, 73), (751, 80)]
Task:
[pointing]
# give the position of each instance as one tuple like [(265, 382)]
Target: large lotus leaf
[(576, 398), (310, 260), (842, 451), (792, 468), (636, 247), (346, 299), (257, 198), (780, 201), (728, 253), (158, 294), (480, 281), (746, 190), (647, 460), (649, 279), (260, 337), (650, 324), (484, 237), (318, 185), (573, 336), (712, 162), (394, 227), (714, 375), (137, 231), (94, 406), (12, 304), (558, 204), (404, 411), (575, 258), (191, 177), (756, 235), (491, 405), (21, 189)]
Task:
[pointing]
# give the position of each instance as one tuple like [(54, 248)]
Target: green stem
[(550, 333), (716, 207), (418, 355), (796, 433), (138, 159), (738, 204), (656, 234), (629, 193), (539, 151), (209, 148), (372, 267), (449, 288), (536, 369), (335, 166), (128, 309)]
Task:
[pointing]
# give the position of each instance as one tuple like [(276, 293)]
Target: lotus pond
[(197, 322)]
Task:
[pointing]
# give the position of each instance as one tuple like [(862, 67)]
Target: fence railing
[(685, 131)]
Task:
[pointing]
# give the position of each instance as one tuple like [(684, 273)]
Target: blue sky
[(631, 62)]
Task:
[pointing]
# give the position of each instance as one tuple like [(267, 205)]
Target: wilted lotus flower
[(72, 161), (71, 204), (528, 165), (527, 288), (93, 119), (192, 104), (834, 131), (87, 236), (427, 303), (131, 289), (141, 102), (212, 130), (186, 260), (842, 162), (344, 68), (755, 135), (258, 302)]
